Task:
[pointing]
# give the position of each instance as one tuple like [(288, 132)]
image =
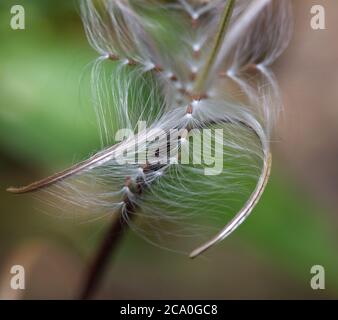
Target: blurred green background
[(47, 123)]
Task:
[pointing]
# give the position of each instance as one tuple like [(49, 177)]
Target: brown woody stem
[(111, 240)]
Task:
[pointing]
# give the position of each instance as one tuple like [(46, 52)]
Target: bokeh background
[(47, 123)]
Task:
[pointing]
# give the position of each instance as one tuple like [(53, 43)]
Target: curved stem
[(244, 212)]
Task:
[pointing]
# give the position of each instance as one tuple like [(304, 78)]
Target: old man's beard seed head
[(197, 66)]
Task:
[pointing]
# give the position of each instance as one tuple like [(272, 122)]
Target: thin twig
[(97, 267)]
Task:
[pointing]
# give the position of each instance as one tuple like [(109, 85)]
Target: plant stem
[(119, 225), (118, 228), (223, 27)]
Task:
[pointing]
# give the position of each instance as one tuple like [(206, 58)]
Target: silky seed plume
[(181, 78)]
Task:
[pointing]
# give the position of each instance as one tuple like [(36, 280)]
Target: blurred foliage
[(46, 123)]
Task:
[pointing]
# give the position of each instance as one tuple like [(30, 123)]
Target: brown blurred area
[(307, 139)]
